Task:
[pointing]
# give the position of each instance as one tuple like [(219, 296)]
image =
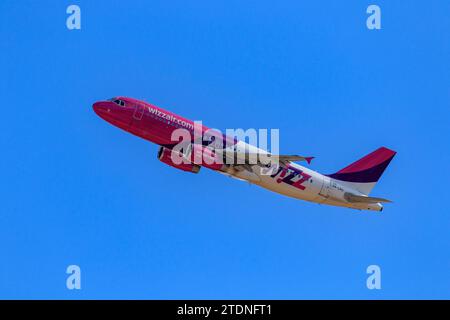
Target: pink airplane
[(349, 187)]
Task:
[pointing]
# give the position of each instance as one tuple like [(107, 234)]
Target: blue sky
[(76, 190)]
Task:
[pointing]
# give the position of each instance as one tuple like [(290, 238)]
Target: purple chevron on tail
[(364, 173)]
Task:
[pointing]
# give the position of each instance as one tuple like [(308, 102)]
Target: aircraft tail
[(363, 174)]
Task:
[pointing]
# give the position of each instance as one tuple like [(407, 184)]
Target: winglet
[(309, 159)]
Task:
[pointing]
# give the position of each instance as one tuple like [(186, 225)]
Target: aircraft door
[(138, 112), (326, 185)]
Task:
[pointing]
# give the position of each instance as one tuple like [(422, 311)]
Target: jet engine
[(165, 156), (206, 157)]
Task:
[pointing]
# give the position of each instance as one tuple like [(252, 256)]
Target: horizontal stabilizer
[(353, 198)]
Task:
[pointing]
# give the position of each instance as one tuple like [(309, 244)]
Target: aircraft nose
[(110, 112), (101, 108)]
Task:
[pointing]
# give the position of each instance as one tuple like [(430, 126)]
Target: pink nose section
[(109, 111), (101, 108)]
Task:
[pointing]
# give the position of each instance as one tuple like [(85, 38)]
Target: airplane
[(349, 187)]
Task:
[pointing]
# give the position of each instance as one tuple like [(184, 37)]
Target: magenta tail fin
[(367, 169)]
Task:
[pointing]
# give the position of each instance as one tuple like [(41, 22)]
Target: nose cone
[(102, 109), (120, 116)]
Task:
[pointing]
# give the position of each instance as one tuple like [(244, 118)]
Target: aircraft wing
[(353, 198), (288, 158), (253, 159)]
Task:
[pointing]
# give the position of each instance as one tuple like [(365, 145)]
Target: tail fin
[(363, 174)]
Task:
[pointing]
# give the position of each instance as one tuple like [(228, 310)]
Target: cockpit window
[(118, 102)]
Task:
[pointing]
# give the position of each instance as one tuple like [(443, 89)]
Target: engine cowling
[(165, 156), (206, 158)]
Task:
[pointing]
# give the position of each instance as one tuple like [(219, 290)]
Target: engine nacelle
[(205, 157), (165, 156)]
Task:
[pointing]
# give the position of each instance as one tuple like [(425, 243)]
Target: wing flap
[(280, 158), (293, 158)]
